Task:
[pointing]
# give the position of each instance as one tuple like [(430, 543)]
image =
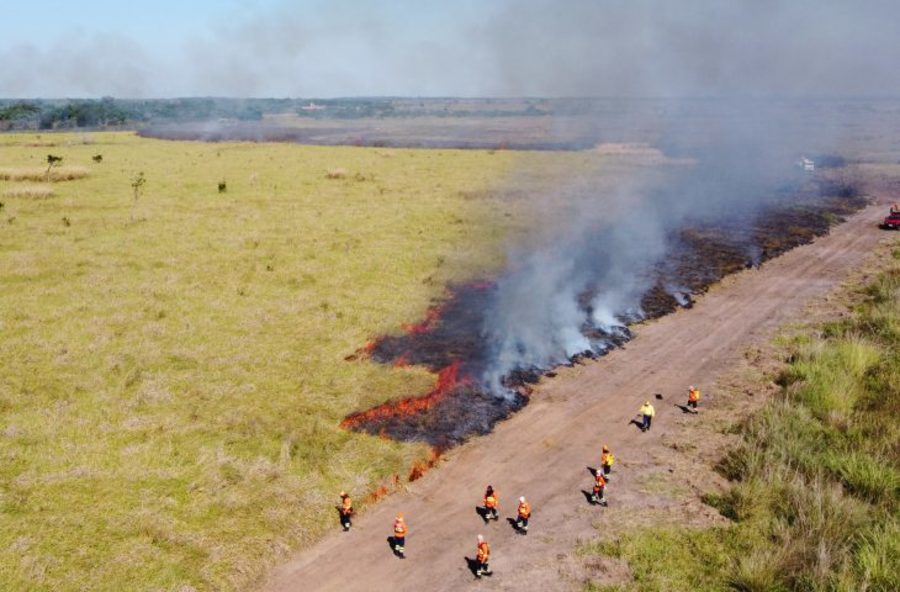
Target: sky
[(550, 48)]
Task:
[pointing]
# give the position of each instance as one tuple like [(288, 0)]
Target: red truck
[(892, 222)]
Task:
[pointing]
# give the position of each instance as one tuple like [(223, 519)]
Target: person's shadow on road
[(391, 541), (685, 408), (472, 564), (483, 512), (514, 524)]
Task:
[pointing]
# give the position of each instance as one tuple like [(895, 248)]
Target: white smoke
[(590, 276), (575, 291)]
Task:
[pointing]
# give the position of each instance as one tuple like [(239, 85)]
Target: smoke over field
[(594, 263)]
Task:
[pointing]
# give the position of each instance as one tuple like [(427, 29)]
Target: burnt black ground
[(699, 256)]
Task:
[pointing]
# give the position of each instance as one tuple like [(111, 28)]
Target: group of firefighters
[(491, 500)]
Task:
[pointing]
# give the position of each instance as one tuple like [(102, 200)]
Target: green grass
[(816, 477), (171, 387)]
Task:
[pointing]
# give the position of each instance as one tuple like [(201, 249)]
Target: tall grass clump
[(54, 175), (30, 191), (815, 477)]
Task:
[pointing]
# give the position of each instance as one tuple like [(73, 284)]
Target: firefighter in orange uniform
[(491, 501), (400, 531), (607, 459), (346, 510), (524, 513), (597, 497), (482, 556), (693, 398)]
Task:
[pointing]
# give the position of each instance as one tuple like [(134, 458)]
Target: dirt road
[(543, 451)]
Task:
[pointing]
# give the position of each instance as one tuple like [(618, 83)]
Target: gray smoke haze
[(506, 48), (579, 285)]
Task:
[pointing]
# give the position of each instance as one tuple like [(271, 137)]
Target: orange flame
[(376, 495), (431, 315), (363, 351), (447, 380), (420, 467)]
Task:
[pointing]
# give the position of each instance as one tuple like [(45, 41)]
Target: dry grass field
[(173, 369)]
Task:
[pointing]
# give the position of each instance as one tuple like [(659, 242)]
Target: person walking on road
[(693, 398), (482, 556), (647, 413), (400, 531), (607, 459), (524, 513), (491, 501), (598, 495), (346, 510)]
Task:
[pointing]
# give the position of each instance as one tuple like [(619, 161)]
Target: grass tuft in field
[(29, 191), (55, 175)]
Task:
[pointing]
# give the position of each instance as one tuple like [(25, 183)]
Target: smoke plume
[(578, 287)]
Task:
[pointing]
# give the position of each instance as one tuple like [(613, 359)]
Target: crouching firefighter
[(597, 497), (346, 511), (400, 531), (482, 555), (524, 514)]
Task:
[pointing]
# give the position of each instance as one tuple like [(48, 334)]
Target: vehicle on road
[(892, 222)]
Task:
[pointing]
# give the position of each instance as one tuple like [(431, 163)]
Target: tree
[(137, 186), (52, 161)]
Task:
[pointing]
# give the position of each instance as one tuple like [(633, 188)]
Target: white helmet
[(522, 499), (480, 539)]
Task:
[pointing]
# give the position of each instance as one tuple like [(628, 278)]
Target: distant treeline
[(50, 114), (108, 112)]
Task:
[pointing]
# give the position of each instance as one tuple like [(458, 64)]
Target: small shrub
[(52, 161), (137, 188), (336, 174)]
